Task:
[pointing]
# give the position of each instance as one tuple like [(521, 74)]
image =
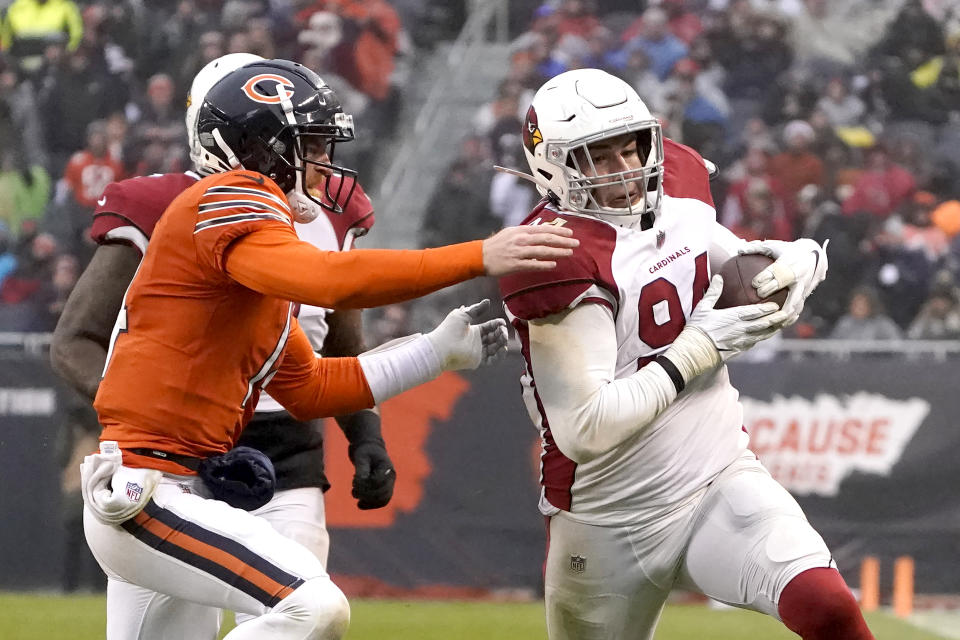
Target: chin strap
[(232, 162)]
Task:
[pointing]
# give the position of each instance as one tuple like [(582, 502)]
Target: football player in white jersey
[(646, 473)]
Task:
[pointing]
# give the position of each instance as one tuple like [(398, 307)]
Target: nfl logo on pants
[(578, 564), (134, 491)]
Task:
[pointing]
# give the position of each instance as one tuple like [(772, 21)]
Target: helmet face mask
[(594, 147), (631, 191), (280, 119)]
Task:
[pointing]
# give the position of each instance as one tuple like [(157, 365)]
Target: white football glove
[(463, 345), (713, 336), (800, 266), (112, 492)]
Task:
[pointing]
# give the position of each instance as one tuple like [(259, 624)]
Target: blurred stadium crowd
[(836, 120)]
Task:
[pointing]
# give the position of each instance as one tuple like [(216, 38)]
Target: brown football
[(737, 274)]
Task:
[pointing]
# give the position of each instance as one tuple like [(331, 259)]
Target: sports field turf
[(50, 617)]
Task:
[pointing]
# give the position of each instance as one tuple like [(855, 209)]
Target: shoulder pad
[(685, 173)]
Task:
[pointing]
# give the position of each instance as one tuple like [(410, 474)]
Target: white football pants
[(185, 556), (740, 541), (297, 514)]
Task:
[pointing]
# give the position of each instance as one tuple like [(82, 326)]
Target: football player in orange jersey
[(207, 322), (123, 222)]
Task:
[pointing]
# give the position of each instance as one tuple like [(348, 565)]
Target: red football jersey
[(128, 211)]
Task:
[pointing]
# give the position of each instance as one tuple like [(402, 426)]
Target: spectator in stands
[(52, 295), (693, 118), (261, 38), (828, 37), (76, 90), (797, 166), (365, 56), (918, 233), (460, 206), (511, 198), (913, 35), (173, 33), (662, 47), (35, 256), (210, 46), (323, 32), (87, 174), (762, 56), (20, 128), (117, 129), (576, 17), (8, 261), (91, 169), (939, 317), (640, 75), (841, 108), (29, 26), (939, 79), (24, 191), (865, 319), (762, 213), (753, 167), (882, 187), (160, 126)]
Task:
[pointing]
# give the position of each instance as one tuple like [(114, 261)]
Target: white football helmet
[(574, 110), (213, 72)]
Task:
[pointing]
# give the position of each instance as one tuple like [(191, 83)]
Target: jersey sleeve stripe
[(230, 204), (234, 219), (228, 190)]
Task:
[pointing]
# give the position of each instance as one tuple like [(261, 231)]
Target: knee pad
[(320, 606)]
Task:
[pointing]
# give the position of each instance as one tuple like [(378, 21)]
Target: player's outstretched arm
[(310, 387), (274, 262), (79, 348)]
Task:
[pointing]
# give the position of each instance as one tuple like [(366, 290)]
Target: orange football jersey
[(192, 346)]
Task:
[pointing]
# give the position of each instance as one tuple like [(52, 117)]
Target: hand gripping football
[(737, 274)]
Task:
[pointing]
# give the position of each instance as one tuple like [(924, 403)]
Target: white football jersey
[(650, 280)]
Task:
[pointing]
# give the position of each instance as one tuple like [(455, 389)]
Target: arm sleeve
[(573, 357), (310, 387), (276, 263)]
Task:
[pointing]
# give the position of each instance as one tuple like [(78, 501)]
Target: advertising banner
[(869, 446)]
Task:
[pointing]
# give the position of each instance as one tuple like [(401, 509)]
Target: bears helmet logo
[(259, 86)]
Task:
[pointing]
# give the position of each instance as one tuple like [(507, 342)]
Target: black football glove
[(374, 475)]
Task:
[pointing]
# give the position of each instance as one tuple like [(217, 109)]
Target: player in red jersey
[(208, 301), (646, 477)]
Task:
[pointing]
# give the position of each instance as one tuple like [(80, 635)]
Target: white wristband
[(398, 365)]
